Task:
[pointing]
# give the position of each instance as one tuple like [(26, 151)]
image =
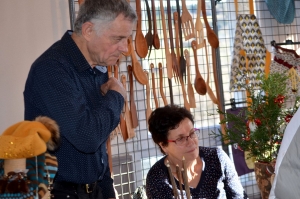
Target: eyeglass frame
[(186, 137)]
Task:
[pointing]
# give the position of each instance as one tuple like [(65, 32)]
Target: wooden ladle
[(136, 66), (200, 85), (141, 46), (211, 35)]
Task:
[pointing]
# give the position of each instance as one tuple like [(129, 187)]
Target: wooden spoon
[(153, 85), (141, 46), (148, 110), (129, 128), (156, 41), (136, 67), (149, 35), (211, 35), (161, 86), (200, 85), (133, 111), (167, 51), (190, 89)]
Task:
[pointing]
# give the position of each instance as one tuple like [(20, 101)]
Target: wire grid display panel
[(132, 159)]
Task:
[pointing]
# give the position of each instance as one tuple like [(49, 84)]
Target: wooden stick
[(179, 176), (172, 180), (185, 179)]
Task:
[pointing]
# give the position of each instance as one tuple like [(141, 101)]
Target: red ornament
[(279, 99), (257, 122), (288, 118)]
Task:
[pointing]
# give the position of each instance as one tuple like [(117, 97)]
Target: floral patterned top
[(219, 179)]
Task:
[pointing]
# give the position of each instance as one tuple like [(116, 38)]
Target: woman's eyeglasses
[(181, 141)]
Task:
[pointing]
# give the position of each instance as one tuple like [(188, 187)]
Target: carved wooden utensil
[(161, 84), (148, 110), (199, 27), (200, 85), (156, 41), (141, 46), (187, 22), (153, 85), (167, 51), (136, 67), (130, 130), (133, 111), (149, 35), (209, 90), (211, 35), (175, 67), (190, 89)]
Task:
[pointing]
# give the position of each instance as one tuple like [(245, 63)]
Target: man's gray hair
[(102, 12)]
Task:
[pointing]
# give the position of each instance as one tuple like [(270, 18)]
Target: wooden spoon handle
[(148, 110), (153, 86), (133, 111), (190, 90), (161, 86), (170, 25), (194, 47), (167, 52), (175, 16)]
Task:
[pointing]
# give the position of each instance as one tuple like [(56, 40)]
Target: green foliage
[(260, 129)]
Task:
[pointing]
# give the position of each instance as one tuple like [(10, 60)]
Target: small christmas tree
[(260, 129)]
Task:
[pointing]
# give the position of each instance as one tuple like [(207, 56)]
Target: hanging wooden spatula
[(128, 121), (148, 110), (187, 22), (199, 27), (156, 41), (133, 111)]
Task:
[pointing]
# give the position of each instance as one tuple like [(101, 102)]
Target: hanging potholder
[(287, 61), (282, 10), (248, 37)]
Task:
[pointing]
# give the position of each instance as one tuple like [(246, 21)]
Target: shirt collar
[(76, 55)]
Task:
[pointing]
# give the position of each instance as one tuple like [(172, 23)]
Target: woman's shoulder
[(157, 169)]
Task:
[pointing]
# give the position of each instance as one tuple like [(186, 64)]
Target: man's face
[(105, 49)]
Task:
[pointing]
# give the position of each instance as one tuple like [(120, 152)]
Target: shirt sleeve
[(232, 184), (59, 93)]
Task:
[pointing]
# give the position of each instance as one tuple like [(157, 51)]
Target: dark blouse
[(218, 179)]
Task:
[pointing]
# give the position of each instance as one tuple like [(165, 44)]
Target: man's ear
[(87, 30)]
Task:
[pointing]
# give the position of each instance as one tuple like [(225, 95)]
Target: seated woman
[(210, 172)]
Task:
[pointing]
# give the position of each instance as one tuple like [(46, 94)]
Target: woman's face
[(189, 149)]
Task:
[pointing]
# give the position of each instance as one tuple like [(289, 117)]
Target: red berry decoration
[(288, 118), (257, 122)]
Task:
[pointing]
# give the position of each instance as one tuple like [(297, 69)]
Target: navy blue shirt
[(63, 86)]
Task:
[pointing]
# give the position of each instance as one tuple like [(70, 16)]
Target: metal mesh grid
[(133, 159)]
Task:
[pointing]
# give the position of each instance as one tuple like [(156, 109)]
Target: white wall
[(27, 29)]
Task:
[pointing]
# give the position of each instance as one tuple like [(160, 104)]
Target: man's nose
[(123, 46)]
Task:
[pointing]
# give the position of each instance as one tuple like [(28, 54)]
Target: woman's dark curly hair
[(164, 119)]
